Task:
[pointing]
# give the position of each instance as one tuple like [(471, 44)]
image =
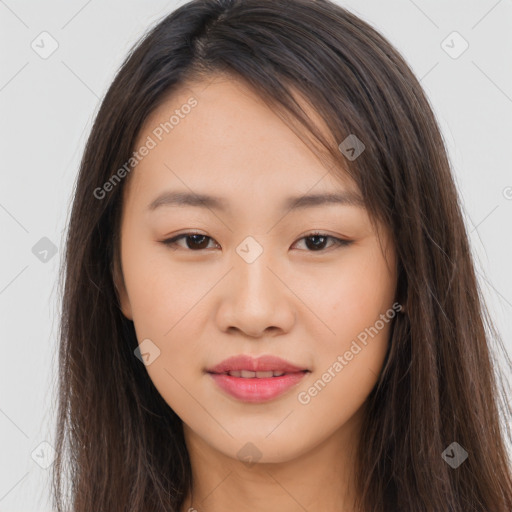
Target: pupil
[(315, 245), (195, 241)]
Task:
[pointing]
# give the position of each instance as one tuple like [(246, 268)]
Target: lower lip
[(255, 389)]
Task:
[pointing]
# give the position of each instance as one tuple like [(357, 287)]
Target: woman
[(269, 299)]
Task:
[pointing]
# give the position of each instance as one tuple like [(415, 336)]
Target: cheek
[(351, 296), (356, 308), (347, 363), (161, 292), (166, 306)]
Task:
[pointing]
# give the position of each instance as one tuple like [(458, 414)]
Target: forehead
[(219, 135)]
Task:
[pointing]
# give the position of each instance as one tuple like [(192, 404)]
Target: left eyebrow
[(175, 198)]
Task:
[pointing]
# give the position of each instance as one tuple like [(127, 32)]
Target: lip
[(260, 364), (256, 389)]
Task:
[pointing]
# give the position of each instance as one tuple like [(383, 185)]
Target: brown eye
[(194, 241), (316, 242)]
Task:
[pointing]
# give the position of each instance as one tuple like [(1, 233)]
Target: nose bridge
[(252, 277)]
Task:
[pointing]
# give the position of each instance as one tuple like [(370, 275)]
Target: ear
[(122, 295)]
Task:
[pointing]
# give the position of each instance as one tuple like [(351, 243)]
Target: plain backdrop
[(48, 103)]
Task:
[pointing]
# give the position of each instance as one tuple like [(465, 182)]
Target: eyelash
[(338, 242)]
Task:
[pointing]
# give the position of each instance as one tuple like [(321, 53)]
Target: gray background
[(47, 106)]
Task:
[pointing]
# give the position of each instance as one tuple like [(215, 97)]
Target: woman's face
[(253, 281)]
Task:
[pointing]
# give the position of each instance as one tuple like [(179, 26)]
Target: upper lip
[(260, 364)]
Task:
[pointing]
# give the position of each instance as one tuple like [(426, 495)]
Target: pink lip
[(256, 389), (260, 364)]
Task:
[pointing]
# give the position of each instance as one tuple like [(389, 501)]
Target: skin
[(200, 306)]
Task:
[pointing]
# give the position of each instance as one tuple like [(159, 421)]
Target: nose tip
[(256, 302)]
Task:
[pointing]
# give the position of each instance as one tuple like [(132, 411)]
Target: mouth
[(261, 379)]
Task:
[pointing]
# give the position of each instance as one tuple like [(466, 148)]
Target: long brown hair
[(120, 447)]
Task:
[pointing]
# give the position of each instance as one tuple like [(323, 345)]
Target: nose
[(256, 300)]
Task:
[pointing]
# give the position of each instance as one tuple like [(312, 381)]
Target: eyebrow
[(181, 199)]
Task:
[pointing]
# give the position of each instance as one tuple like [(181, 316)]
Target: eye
[(315, 241), (194, 241)]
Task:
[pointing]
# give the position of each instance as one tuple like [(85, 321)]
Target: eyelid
[(337, 241)]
